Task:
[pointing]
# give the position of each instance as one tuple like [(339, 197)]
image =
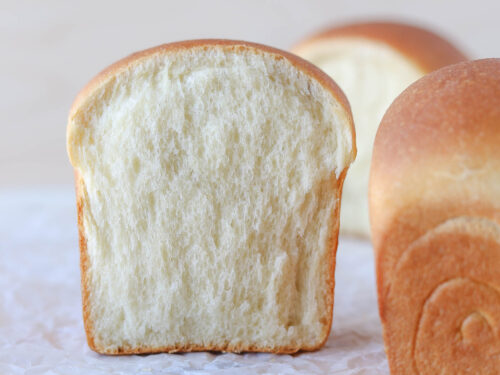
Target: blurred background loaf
[(373, 62), (52, 48)]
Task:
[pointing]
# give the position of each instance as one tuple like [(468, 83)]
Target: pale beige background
[(50, 49)]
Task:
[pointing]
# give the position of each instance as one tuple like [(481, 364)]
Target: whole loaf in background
[(373, 62)]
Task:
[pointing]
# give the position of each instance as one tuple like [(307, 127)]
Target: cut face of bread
[(208, 179), (372, 69)]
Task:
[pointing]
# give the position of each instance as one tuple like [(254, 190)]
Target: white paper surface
[(41, 328)]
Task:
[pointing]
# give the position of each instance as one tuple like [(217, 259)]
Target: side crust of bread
[(126, 63)]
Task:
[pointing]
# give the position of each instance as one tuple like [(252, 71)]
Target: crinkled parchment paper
[(41, 329)]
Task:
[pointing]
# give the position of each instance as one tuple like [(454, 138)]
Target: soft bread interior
[(210, 179), (372, 75)]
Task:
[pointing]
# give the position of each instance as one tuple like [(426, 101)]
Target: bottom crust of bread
[(200, 348)]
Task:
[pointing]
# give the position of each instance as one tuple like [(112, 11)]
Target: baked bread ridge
[(82, 201), (373, 62), (435, 217)]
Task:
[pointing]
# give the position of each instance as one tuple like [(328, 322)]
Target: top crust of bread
[(235, 45), (426, 49), (436, 150), (88, 94)]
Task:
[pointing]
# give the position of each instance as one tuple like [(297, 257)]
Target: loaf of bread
[(435, 218), (208, 178), (372, 63)]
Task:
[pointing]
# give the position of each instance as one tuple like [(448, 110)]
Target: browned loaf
[(435, 218)]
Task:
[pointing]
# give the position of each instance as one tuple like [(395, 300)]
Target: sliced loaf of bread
[(209, 176)]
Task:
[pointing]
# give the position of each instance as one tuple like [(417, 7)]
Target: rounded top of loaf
[(424, 48), (437, 148), (205, 44)]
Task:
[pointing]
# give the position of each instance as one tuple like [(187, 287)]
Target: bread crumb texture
[(210, 180)]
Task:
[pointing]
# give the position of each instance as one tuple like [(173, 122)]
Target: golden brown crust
[(334, 240), (82, 242), (426, 49), (436, 161), (129, 61), (441, 280)]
